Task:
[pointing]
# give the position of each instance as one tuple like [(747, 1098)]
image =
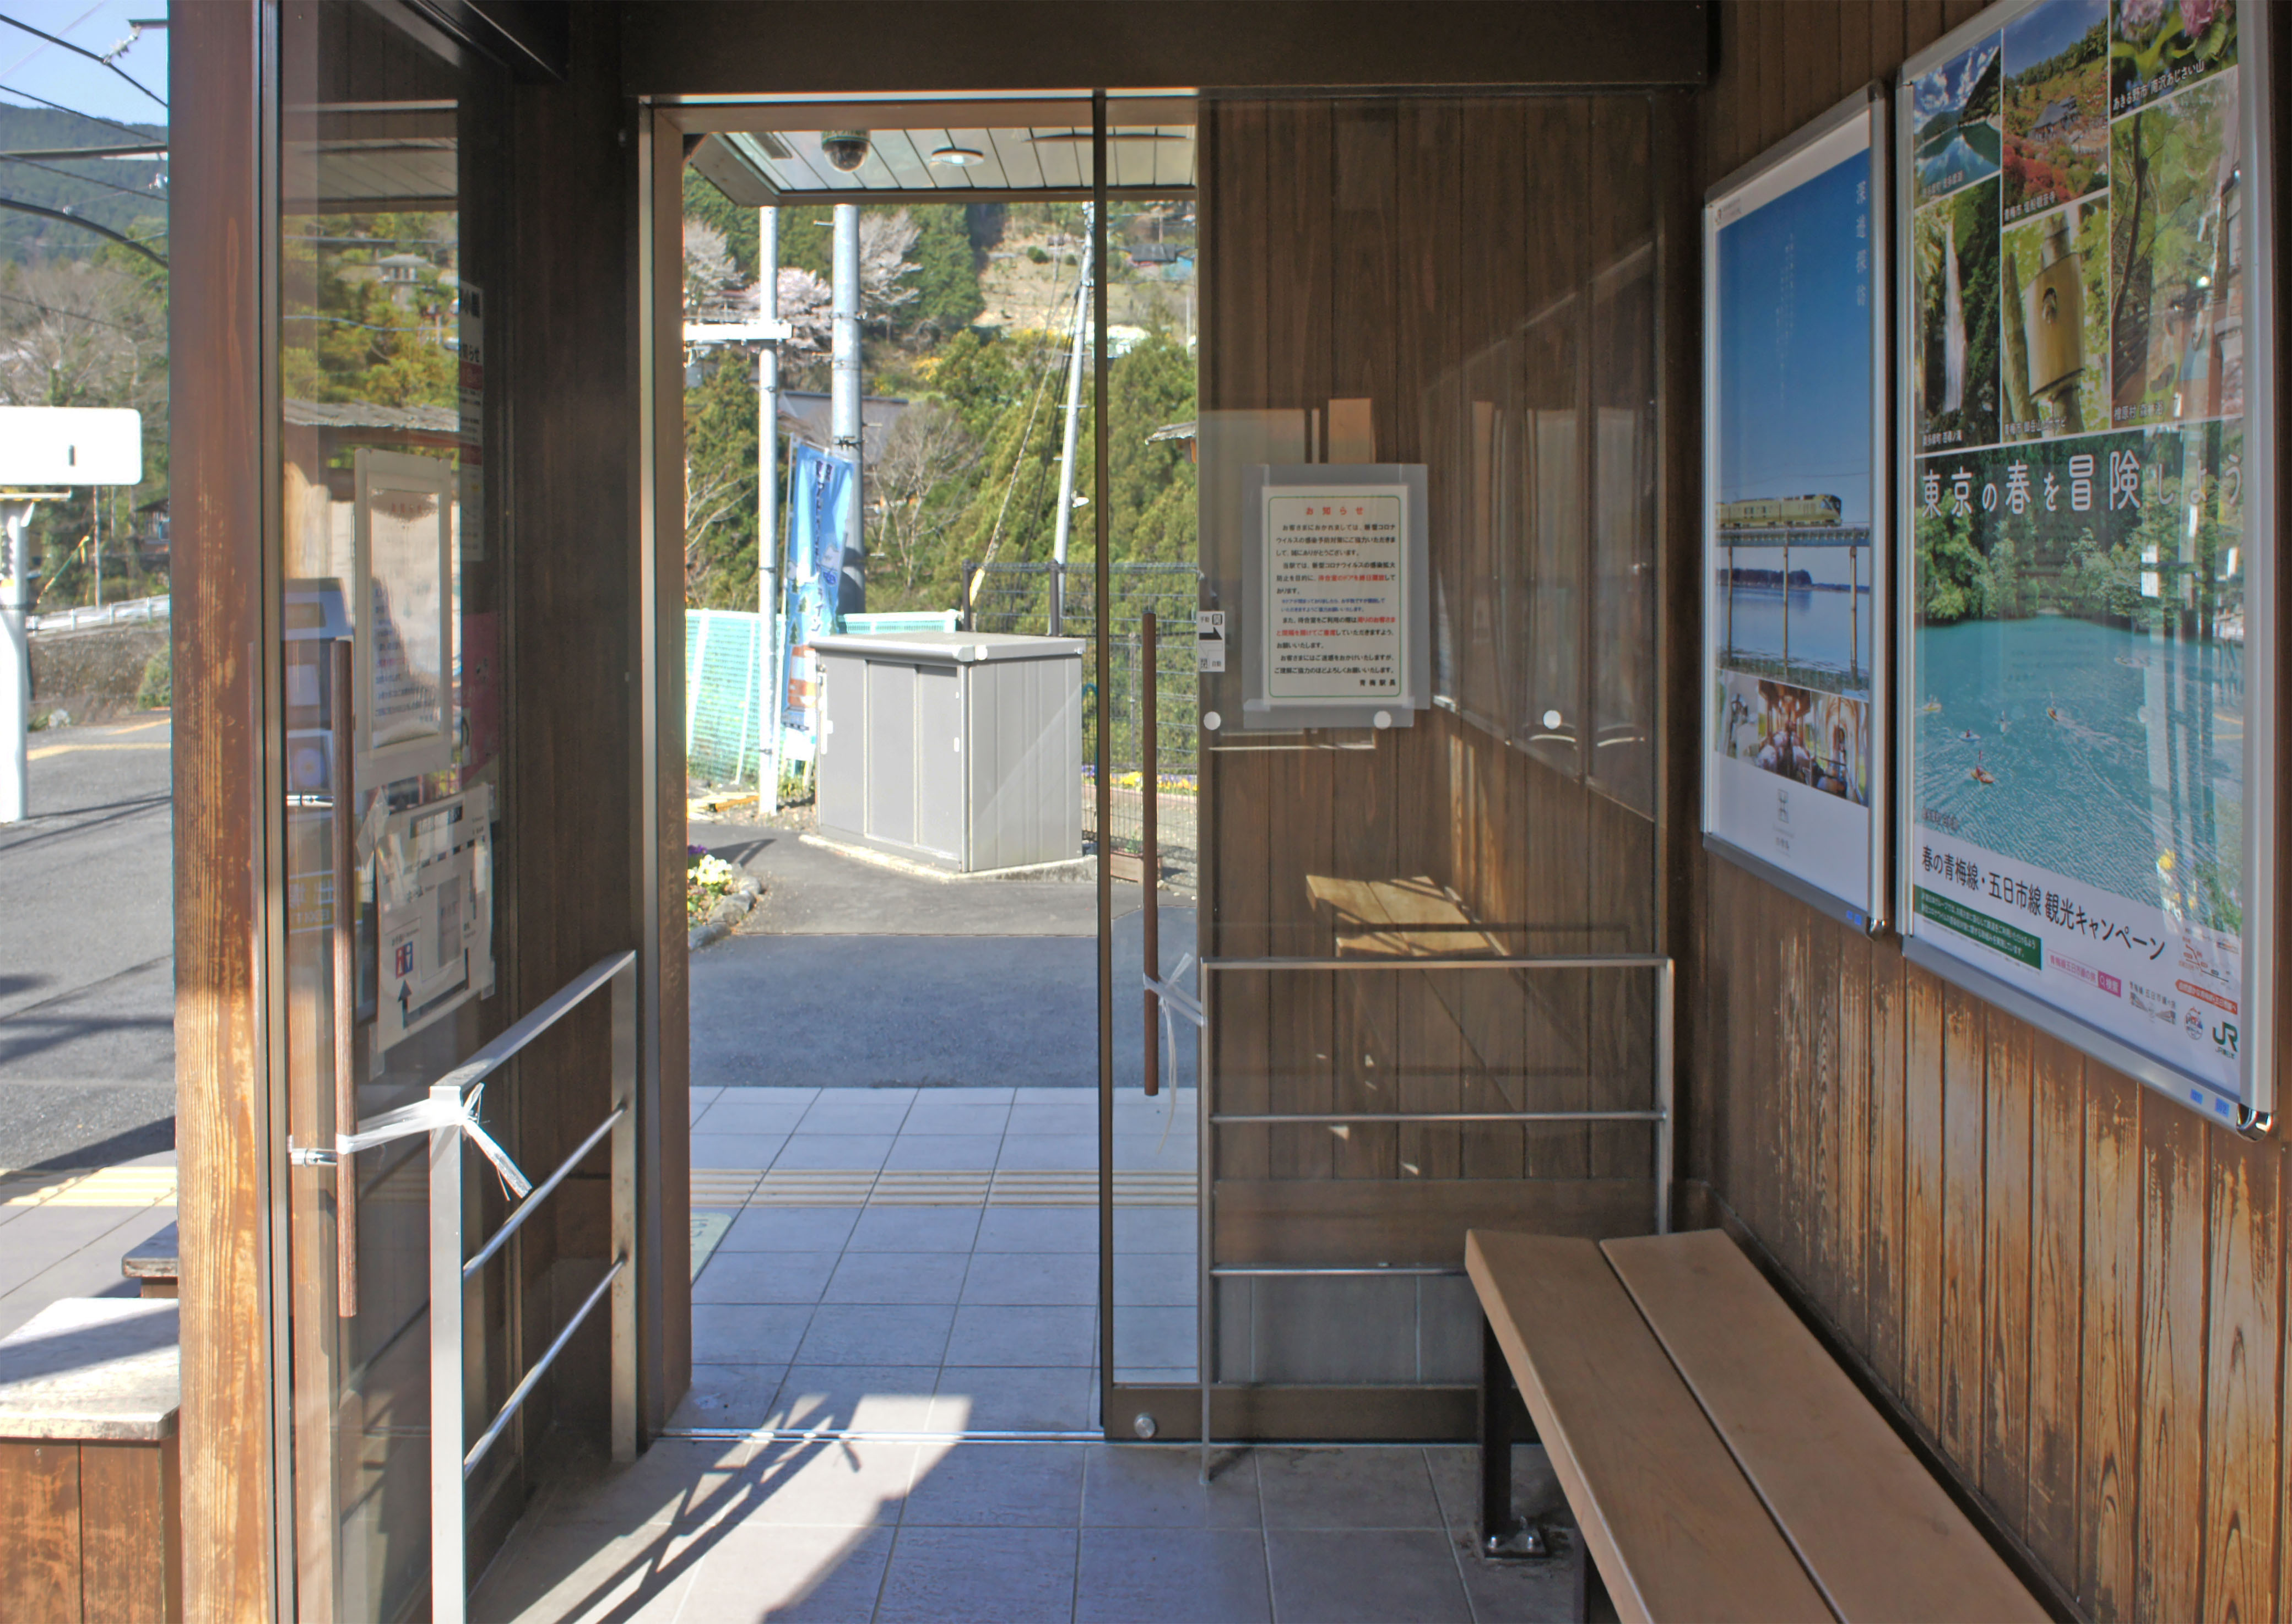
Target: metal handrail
[(450, 1118)]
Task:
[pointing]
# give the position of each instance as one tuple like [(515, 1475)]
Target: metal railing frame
[(1196, 1010), (451, 1114)]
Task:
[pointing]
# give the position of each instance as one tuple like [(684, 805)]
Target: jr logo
[(2224, 1038)]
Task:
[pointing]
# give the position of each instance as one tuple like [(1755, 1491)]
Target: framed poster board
[(1796, 596), (404, 616), (1335, 596), (2084, 483)]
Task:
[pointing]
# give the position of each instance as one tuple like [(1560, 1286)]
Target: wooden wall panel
[(2071, 1288)]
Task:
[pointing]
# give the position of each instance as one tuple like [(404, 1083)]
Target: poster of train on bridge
[(1796, 606), (2084, 483)]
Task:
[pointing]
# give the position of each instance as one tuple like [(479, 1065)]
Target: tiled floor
[(885, 1531), (980, 1316)]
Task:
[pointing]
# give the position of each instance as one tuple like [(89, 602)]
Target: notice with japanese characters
[(1336, 595), (1796, 606), (2078, 224)]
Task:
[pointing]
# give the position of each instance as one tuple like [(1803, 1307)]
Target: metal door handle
[(345, 945), (1150, 783)]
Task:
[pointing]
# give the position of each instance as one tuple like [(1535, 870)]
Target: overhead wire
[(129, 191), (50, 310), (101, 63), (124, 129)]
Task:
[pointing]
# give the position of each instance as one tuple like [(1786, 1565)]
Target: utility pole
[(16, 592), (843, 397), (767, 513), (1074, 416)]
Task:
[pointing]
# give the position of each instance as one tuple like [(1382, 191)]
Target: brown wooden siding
[(2072, 1287)]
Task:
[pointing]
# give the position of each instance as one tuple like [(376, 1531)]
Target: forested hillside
[(970, 468)]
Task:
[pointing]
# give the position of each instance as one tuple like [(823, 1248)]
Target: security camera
[(847, 149)]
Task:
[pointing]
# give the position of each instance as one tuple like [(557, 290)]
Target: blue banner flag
[(821, 491)]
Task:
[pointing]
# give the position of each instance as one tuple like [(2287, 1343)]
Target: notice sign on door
[(1336, 590), (1336, 593)]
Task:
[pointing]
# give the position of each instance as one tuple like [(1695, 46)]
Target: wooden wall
[(2072, 1287)]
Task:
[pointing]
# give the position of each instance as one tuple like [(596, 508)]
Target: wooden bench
[(155, 1265), (90, 1522), (1719, 1464)]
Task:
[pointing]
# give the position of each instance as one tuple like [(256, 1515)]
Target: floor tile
[(1033, 1279), (1134, 1487), (1006, 1485), (763, 1277), (1155, 1376), (1050, 1152), (865, 1397), (914, 1229), (1155, 1337), (747, 1333), (990, 1575), (829, 1483), (866, 1333), (743, 1152), (1084, 1093), (1520, 1592), (1023, 1336), (1078, 1118), (581, 1571), (933, 1115), (825, 1115), (796, 1229), (689, 1483), (1457, 1484), (1147, 1154), (1030, 1398), (733, 1113), (1155, 1280), (1346, 1488), (789, 1575), (1374, 1576), (729, 1396), (1155, 1229), (965, 1096), (1150, 1576), (1038, 1229), (899, 1277), (837, 1151), (914, 1152), (903, 1095), (697, 1101)]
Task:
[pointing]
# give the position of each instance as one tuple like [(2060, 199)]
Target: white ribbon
[(429, 1115)]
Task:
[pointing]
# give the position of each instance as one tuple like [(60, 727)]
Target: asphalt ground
[(851, 975), (87, 971)]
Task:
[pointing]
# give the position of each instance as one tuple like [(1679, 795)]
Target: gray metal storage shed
[(959, 749)]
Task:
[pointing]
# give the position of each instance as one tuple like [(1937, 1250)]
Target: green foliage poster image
[(2074, 492)]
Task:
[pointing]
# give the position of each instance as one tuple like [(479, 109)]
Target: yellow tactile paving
[(102, 1186)]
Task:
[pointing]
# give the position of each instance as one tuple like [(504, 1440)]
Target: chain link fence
[(1018, 597), (723, 668)]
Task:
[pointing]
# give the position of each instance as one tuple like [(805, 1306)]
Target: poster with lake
[(2075, 495), (1796, 601)]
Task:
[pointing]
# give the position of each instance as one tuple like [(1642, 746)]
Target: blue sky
[(28, 64), (1945, 88), (1794, 375), (2050, 29)]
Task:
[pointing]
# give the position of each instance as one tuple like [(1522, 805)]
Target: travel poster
[(1796, 602), (820, 494), (2073, 699)]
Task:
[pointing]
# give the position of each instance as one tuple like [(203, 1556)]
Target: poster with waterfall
[(1796, 601), (2079, 212)]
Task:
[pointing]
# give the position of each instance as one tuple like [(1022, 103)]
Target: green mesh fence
[(723, 652)]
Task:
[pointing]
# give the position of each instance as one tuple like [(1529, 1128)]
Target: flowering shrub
[(708, 880)]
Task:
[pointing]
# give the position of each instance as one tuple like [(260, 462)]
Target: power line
[(78, 51), (128, 191), (85, 225), (50, 310), (124, 129)]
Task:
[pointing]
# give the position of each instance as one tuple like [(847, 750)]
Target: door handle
[(1150, 784), (346, 989)]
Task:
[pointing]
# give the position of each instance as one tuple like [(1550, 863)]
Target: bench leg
[(1503, 1532)]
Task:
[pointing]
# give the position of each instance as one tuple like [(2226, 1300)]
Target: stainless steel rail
[(1198, 1010), (449, 1116)]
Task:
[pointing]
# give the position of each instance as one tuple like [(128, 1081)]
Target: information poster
[(821, 494), (2080, 219), (433, 880), (404, 615), (1797, 609)]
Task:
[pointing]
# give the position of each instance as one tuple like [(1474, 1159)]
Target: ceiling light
[(959, 157)]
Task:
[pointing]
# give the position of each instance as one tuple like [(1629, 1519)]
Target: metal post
[(1151, 855), (624, 995), (844, 398), (1666, 1058), (449, 1567), (342, 825), (1074, 417), (767, 513), (16, 592)]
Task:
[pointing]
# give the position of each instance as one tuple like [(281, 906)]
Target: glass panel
[(389, 175)]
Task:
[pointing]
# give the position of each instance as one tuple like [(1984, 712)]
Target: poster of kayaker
[(2079, 747), (1797, 605)]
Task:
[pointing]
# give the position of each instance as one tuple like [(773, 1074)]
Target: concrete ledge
[(1071, 869), (93, 1369), (727, 915)]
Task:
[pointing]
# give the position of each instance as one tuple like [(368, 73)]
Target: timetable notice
[(1336, 603)]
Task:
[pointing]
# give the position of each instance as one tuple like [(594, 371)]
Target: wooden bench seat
[(1719, 1464)]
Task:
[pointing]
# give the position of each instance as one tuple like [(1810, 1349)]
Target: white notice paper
[(1336, 597)]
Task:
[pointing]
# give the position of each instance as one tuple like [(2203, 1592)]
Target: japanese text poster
[(1797, 603), (2074, 697)]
